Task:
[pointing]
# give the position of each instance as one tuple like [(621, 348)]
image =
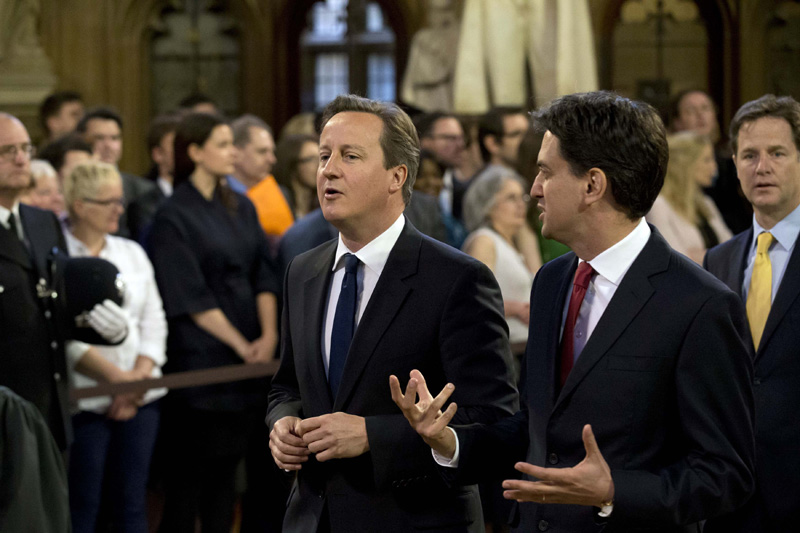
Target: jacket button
[(543, 525), (54, 345), (757, 382), (552, 459), (2, 289), (48, 314), (57, 376)]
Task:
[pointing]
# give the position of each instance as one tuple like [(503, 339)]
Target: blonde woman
[(45, 192), (114, 437), (683, 214)]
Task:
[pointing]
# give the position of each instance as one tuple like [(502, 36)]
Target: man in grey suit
[(762, 264)]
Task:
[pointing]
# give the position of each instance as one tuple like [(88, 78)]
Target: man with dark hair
[(66, 152), (160, 139), (762, 264), (500, 132), (101, 127), (255, 157), (380, 299), (59, 114), (694, 110), (638, 404)]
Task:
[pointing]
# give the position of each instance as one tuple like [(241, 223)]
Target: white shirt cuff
[(441, 460)]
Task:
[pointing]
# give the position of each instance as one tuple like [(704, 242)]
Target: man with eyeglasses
[(33, 322)]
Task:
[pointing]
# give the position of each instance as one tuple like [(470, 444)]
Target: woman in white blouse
[(683, 214), (114, 437), (495, 206)]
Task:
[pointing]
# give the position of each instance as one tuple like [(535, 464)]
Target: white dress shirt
[(373, 258), (147, 325), (610, 266), (785, 233)]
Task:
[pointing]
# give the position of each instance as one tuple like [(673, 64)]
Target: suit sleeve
[(713, 472), (475, 356)]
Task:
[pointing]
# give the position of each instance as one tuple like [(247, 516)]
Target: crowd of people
[(211, 245)]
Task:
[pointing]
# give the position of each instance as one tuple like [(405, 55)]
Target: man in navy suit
[(765, 135), (636, 399), (381, 299)]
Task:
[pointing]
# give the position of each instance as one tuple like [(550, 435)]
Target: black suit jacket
[(776, 385), (33, 328), (133, 187), (433, 309), (664, 380), (142, 211)]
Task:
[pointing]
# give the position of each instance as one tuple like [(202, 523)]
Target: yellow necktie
[(759, 297)]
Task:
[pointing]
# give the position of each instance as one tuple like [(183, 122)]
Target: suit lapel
[(12, 248), (734, 274), (632, 294), (386, 300), (38, 229), (553, 351), (315, 295), (786, 295)]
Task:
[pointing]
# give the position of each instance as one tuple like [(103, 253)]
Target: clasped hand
[(331, 436)]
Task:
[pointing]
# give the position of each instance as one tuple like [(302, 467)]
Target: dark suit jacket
[(776, 385), (142, 211), (32, 328), (664, 380), (433, 309), (132, 188)]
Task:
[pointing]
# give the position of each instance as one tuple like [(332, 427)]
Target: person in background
[(296, 172), (114, 437), (211, 262), (65, 153), (45, 192), (160, 141), (694, 110), (199, 103), (101, 127), (687, 218), (59, 114), (494, 212)]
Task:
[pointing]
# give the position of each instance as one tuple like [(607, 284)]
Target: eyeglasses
[(9, 151), (515, 198), (116, 202)]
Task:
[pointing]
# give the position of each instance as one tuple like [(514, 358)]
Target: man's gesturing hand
[(587, 483), (335, 435), (426, 416), (288, 449)]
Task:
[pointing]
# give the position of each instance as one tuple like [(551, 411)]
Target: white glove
[(110, 321)]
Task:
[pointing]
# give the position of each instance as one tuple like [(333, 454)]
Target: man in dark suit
[(101, 127), (765, 135), (637, 406), (406, 301), (33, 324)]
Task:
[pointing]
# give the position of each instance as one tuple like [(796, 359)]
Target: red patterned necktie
[(579, 286)]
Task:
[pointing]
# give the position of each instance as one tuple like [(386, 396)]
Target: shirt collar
[(5, 213), (76, 248), (785, 231), (613, 263), (376, 252)]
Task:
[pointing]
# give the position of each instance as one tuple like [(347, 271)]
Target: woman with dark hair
[(211, 263), (296, 172)]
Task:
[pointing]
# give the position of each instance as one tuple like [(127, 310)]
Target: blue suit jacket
[(664, 380), (776, 385)]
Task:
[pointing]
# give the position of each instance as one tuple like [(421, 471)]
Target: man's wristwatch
[(606, 508)]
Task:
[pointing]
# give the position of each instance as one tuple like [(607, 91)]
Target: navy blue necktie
[(344, 322)]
